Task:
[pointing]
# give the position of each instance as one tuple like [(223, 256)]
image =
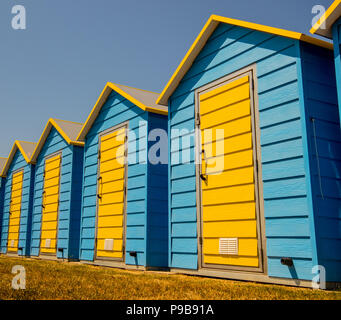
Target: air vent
[(12, 243), (228, 246), (48, 243), (109, 244)]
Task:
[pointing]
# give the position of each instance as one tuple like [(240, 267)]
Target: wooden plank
[(50, 201)]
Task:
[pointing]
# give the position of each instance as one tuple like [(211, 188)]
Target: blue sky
[(59, 65)]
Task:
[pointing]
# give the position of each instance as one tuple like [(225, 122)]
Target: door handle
[(203, 175), (100, 187)]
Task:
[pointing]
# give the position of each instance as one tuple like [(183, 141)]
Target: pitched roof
[(207, 31), (141, 98), (26, 149), (2, 164), (67, 129), (323, 27)]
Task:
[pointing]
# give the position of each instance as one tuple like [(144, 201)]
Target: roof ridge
[(68, 121), (26, 141), (124, 85)]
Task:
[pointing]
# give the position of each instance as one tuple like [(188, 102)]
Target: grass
[(50, 280)]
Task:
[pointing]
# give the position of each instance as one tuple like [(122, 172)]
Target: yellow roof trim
[(16, 146), (52, 123), (328, 19), (104, 96), (27, 159), (138, 103), (207, 31), (64, 135)]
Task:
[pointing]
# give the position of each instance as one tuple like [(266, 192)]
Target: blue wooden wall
[(70, 188), (18, 163), (337, 58), (76, 201), (325, 154), (287, 192), (115, 111), (157, 198), (2, 190)]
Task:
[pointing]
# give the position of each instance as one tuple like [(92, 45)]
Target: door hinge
[(99, 154), (201, 241), (257, 165)]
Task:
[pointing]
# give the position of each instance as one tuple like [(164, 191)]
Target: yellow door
[(15, 212), (111, 195), (50, 205), (227, 176)]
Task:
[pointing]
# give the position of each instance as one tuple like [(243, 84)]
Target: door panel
[(228, 184), (50, 203), (15, 212), (111, 195)]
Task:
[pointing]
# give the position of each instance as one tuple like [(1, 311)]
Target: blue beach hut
[(58, 157), (124, 205), (18, 180), (254, 179)]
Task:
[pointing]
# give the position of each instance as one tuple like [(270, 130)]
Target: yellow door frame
[(260, 221)]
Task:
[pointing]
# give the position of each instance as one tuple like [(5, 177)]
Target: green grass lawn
[(59, 280)]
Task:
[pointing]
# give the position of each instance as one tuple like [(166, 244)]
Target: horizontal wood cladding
[(324, 135)]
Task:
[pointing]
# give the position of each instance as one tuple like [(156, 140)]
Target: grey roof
[(2, 163), (28, 147), (71, 129), (146, 97)]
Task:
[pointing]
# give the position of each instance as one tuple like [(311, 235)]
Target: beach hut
[(2, 182), (58, 157), (18, 178), (328, 26), (254, 174), (124, 212)]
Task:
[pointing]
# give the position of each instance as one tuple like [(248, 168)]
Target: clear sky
[(59, 65)]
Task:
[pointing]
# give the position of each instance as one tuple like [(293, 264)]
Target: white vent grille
[(109, 244), (12, 243), (228, 246), (48, 243)]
